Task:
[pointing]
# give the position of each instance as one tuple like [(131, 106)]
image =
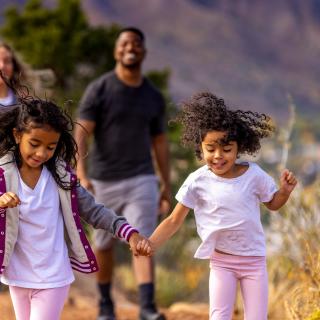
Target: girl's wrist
[(131, 233), (153, 244), (284, 192), (126, 231)]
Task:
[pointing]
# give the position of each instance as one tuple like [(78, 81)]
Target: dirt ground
[(82, 305)]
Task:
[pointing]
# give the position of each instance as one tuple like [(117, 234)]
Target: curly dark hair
[(205, 112), (32, 113)]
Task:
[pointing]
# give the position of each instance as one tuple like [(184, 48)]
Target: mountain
[(251, 52)]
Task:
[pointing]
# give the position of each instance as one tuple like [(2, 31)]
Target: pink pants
[(226, 271), (38, 304)]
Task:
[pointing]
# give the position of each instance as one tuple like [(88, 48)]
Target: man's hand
[(165, 201), (9, 200), (140, 245)]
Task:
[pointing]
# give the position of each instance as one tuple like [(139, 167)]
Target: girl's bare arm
[(287, 183), (169, 226)]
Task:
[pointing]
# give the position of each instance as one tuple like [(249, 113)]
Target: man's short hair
[(134, 30)]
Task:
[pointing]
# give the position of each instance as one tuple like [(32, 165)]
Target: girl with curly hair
[(225, 195), (41, 204)]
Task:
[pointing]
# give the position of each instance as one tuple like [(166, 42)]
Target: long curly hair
[(205, 112), (32, 113)]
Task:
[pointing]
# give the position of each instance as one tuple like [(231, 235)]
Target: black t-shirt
[(126, 118)]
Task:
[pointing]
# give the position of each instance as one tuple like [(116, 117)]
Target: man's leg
[(104, 281), (144, 273), (110, 195), (141, 212)]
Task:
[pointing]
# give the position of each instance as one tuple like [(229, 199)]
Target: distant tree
[(60, 39)]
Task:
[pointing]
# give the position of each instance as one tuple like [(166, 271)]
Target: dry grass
[(295, 283)]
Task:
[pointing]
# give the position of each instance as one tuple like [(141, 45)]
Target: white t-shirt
[(40, 256), (227, 211)]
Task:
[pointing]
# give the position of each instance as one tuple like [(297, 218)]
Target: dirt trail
[(82, 305)]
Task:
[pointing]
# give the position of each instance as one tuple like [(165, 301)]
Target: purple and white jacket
[(76, 204)]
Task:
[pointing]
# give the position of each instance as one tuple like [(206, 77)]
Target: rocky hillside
[(252, 52)]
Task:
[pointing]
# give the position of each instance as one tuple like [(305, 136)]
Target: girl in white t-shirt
[(225, 196), (41, 203)]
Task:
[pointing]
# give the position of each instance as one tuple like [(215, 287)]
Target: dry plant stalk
[(298, 238)]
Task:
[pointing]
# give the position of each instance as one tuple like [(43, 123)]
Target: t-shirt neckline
[(127, 86)]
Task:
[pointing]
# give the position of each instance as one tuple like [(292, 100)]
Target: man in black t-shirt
[(125, 114)]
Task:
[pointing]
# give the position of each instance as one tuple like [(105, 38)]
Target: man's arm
[(83, 130), (161, 152)]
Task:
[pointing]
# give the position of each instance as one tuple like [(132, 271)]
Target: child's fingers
[(10, 200), (149, 251), (290, 178), (143, 247), (140, 245), (134, 250), (285, 173)]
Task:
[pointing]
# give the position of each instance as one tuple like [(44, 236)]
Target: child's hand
[(9, 200), (287, 181), (139, 245), (145, 248)]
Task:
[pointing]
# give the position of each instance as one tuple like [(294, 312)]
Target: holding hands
[(140, 246), (9, 200), (145, 248)]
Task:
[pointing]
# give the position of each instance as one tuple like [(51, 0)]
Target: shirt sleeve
[(100, 217), (87, 109), (185, 194), (266, 186)]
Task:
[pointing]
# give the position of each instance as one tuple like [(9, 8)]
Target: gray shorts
[(136, 198)]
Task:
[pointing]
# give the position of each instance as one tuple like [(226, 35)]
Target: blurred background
[(258, 55)]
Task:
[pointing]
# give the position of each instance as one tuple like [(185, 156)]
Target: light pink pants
[(38, 304), (226, 271)]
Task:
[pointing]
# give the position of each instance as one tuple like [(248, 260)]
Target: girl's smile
[(220, 158), (37, 145)]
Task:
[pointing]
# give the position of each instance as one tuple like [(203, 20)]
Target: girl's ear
[(16, 135)]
